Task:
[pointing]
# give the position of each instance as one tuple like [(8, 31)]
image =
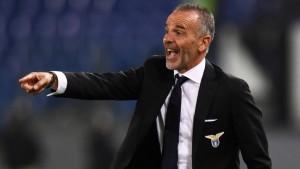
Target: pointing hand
[(36, 82)]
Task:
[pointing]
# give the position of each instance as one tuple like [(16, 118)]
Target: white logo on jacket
[(215, 139)]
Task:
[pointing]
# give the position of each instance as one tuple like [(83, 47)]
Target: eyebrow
[(177, 26), (180, 27)]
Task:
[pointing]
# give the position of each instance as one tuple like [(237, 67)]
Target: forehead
[(183, 18)]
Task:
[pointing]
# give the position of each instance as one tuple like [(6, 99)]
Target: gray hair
[(206, 18)]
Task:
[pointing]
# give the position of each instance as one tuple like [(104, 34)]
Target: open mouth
[(171, 53)]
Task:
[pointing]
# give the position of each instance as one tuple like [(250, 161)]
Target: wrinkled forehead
[(184, 18)]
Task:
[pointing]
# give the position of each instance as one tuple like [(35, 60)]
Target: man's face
[(182, 41)]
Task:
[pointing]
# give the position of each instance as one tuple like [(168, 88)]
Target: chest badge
[(215, 139)]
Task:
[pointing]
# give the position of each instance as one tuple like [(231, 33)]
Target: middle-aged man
[(189, 114)]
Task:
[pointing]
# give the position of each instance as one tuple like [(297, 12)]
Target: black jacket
[(221, 96)]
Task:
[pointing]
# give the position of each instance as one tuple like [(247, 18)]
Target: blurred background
[(256, 40)]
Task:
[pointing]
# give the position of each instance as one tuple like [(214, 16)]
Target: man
[(201, 122)]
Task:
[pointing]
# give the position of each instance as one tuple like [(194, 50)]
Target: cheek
[(189, 52), (190, 48), (195, 48)]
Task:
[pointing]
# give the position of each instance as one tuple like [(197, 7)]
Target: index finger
[(30, 76)]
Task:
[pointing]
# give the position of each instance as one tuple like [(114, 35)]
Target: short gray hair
[(206, 17)]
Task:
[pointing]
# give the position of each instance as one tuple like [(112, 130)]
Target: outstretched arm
[(121, 85)]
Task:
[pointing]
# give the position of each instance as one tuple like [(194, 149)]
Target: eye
[(178, 32)]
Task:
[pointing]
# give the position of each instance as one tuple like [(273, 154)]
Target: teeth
[(169, 51)]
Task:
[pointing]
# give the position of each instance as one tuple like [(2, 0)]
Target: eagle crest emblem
[(215, 139)]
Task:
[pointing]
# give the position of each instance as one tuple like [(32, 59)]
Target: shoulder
[(155, 60), (236, 88), (156, 63), (155, 68), (230, 81)]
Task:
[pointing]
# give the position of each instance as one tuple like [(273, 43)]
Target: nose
[(167, 38)]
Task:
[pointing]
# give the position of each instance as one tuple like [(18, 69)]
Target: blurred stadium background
[(256, 40)]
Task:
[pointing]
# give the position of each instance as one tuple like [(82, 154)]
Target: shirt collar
[(195, 74)]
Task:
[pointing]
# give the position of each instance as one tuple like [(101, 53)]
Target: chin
[(171, 66)]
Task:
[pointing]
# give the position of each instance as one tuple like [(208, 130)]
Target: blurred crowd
[(110, 35)]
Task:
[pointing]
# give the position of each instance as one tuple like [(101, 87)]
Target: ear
[(204, 42)]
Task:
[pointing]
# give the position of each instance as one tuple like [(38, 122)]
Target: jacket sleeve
[(249, 130), (123, 85)]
